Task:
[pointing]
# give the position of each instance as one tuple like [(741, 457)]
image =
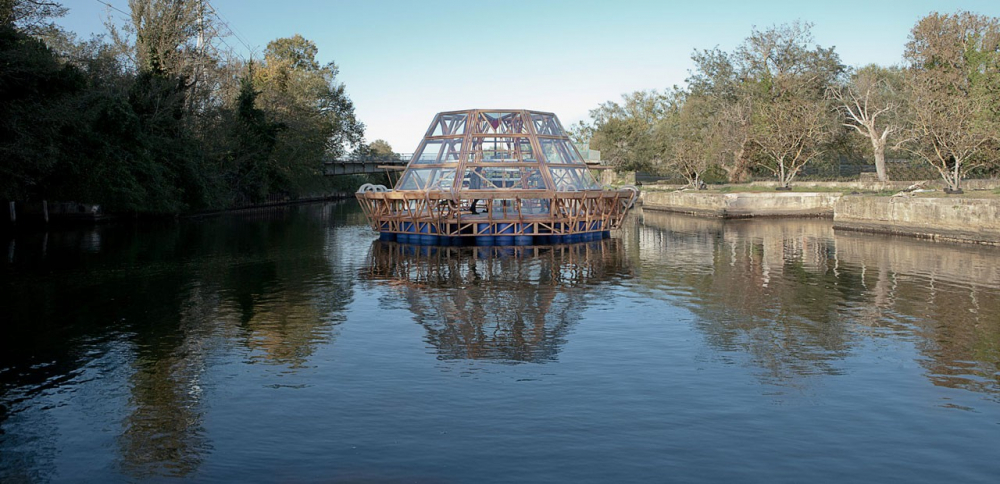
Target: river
[(289, 345)]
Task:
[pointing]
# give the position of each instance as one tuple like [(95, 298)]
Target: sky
[(404, 61)]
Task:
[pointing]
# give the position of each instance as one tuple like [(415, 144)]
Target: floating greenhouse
[(495, 177)]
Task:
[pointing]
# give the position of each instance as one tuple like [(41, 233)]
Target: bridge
[(369, 164), (398, 161)]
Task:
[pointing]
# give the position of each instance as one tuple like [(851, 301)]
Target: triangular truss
[(496, 150)]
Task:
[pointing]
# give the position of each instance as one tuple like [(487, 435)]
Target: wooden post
[(45, 210), (13, 214)]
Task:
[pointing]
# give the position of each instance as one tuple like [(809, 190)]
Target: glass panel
[(559, 151), (449, 125), (427, 178), (501, 123), (531, 179), (574, 153), (527, 152), (547, 124), (439, 151), (442, 180), (411, 180), (567, 179), (507, 149), (502, 178)]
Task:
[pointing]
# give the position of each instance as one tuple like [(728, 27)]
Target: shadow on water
[(797, 297), (509, 304), (141, 309)]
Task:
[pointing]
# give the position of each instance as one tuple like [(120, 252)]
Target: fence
[(896, 169)]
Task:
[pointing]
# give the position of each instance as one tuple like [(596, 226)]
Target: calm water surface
[(286, 345)]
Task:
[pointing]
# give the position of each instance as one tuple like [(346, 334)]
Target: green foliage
[(714, 175), (298, 52), (159, 137), (250, 170), (377, 150), (953, 82), (36, 95), (622, 132), (762, 107)]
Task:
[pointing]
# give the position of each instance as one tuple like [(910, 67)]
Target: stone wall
[(743, 205), (956, 219), (613, 178)]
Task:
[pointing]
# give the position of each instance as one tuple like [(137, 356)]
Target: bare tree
[(869, 103), (791, 132), (30, 16)]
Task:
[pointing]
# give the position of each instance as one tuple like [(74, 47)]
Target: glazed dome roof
[(496, 150)]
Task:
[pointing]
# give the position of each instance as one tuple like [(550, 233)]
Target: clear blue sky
[(403, 61)]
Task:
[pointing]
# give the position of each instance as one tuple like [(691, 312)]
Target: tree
[(252, 170), (161, 35), (581, 132), (158, 121), (686, 140), (31, 17), (716, 83), (36, 93), (870, 103), (622, 131), (298, 52), (305, 96), (381, 149), (784, 82), (953, 83)]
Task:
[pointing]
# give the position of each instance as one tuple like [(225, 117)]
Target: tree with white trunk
[(870, 103)]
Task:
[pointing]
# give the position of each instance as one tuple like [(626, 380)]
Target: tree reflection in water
[(506, 304), (140, 314), (798, 297)]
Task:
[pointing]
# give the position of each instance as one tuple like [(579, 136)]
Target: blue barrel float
[(428, 233), (485, 236), (525, 238), (385, 233), (504, 233), (403, 237)]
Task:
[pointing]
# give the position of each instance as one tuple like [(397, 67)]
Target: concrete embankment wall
[(743, 205), (955, 219), (958, 219)]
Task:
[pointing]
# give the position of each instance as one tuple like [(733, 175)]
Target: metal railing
[(896, 170)]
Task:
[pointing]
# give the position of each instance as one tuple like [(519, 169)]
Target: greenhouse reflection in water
[(501, 303)]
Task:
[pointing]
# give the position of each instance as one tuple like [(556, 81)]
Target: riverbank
[(956, 219), (33, 215), (973, 218), (743, 204)]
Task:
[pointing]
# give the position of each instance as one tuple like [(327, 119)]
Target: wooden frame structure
[(519, 166)]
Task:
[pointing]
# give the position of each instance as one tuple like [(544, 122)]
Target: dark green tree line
[(159, 120)]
